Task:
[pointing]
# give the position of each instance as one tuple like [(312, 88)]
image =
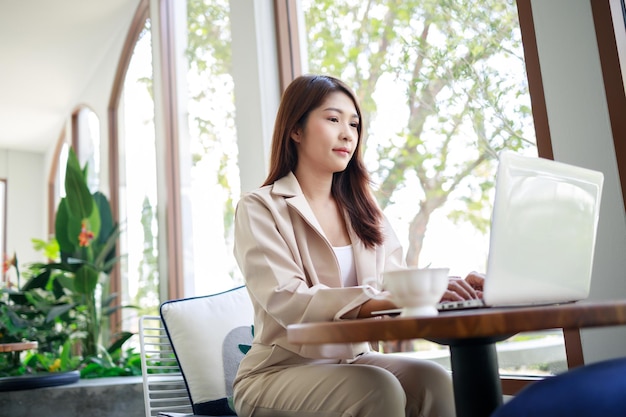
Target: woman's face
[(329, 138)]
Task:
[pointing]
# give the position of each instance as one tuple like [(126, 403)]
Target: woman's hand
[(375, 305), (466, 288)]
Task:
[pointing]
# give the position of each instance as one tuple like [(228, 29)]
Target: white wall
[(581, 135), (26, 203), (27, 172), (97, 93)]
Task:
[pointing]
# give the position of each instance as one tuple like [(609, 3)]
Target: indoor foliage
[(65, 305)]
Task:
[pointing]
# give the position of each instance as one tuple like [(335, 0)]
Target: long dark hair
[(350, 187)]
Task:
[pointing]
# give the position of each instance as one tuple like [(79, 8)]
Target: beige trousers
[(374, 385)]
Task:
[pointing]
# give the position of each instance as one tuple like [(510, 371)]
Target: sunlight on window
[(443, 90), (138, 187), (60, 174), (89, 145), (214, 173)]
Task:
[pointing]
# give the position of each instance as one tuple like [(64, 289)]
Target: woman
[(305, 242)]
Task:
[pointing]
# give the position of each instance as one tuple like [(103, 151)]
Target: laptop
[(543, 233)]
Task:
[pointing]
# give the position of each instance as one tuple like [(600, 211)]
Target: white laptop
[(543, 232)]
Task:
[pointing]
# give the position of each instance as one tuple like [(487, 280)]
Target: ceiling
[(49, 52)]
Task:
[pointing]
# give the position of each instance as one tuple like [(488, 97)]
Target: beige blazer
[(293, 276)]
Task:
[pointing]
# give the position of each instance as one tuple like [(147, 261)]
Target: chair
[(164, 388), (597, 389), (210, 335)]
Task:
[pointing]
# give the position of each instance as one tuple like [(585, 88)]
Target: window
[(194, 143), (211, 164), (59, 179), (138, 183), (86, 142), (443, 89)]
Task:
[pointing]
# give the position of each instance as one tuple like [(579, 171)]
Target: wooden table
[(17, 346), (471, 336)]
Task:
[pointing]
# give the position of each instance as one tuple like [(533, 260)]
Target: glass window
[(138, 184), (212, 164), (87, 136), (443, 89), (59, 180)]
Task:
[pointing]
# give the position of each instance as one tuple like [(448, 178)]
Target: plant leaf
[(79, 199), (106, 217), (109, 299), (94, 222), (57, 311), (106, 257), (124, 336), (110, 310), (38, 281), (65, 282), (86, 280), (61, 228)]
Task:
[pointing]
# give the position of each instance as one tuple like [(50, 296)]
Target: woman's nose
[(348, 133)]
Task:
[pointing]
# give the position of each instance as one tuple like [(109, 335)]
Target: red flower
[(8, 263), (86, 236)]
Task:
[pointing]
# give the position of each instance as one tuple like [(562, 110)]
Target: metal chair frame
[(164, 389)]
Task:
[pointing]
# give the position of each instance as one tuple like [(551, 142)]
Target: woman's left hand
[(466, 288)]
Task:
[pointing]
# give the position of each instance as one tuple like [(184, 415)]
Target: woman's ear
[(296, 135)]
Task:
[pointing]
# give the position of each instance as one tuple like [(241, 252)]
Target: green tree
[(452, 59), (209, 56)]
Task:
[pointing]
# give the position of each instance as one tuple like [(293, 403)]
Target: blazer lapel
[(289, 188), (365, 259)]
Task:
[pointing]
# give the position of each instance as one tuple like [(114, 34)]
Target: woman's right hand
[(375, 304), (468, 288)]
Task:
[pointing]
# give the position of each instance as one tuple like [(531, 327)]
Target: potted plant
[(70, 295)]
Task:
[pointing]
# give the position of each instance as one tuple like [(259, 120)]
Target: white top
[(346, 265)]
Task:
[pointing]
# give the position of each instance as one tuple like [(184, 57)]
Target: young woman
[(305, 242)]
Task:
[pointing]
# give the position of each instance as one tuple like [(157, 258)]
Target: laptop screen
[(543, 231)]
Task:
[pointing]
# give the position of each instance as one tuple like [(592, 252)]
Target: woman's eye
[(354, 125), (333, 119)]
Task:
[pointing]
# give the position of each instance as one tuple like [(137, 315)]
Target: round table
[(471, 336)]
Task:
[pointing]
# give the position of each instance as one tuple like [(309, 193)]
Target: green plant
[(36, 362), (28, 315), (117, 363), (86, 236), (65, 304)]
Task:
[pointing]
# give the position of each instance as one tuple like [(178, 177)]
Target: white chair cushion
[(206, 333)]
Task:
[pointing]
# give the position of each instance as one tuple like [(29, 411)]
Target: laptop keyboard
[(461, 305)]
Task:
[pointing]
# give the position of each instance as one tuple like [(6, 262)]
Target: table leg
[(476, 379)]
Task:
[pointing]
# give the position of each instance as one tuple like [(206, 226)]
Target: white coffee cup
[(415, 290)]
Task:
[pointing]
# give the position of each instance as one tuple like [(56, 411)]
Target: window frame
[(610, 25), (171, 155), (289, 36), (609, 37), (142, 13)]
